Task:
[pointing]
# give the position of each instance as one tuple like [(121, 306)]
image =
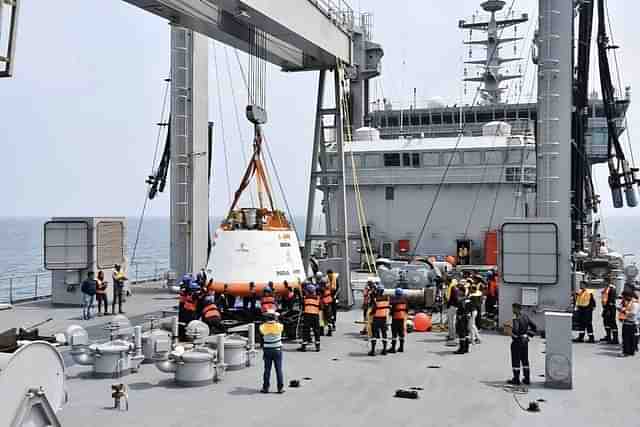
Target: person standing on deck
[(268, 301), (310, 318), (585, 303), (101, 293), (271, 332), (334, 285), (399, 313), (249, 302), (522, 329), (476, 302), (463, 315), (452, 296), (118, 288), (608, 300), (326, 302), (288, 299), (367, 294), (211, 315), (380, 313), (88, 289), (628, 315)]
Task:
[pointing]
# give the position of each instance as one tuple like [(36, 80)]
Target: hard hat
[(186, 279), (319, 275), (271, 314), (194, 286), (380, 288), (209, 299), (310, 288), (399, 292), (267, 289)]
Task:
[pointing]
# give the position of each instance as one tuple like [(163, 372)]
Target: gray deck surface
[(357, 390)]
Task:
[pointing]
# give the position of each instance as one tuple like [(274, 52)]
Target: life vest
[(190, 303), (267, 302), (327, 299), (622, 314), (381, 309), (399, 309), (211, 312), (583, 298), (333, 281), (311, 304), (271, 335), (365, 297), (493, 287)]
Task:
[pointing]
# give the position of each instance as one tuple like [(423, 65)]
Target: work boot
[(614, 338), (580, 338), (460, 349), (592, 339), (393, 346), (401, 348), (317, 347), (384, 348), (302, 348), (516, 378), (467, 343), (372, 352), (527, 377), (607, 338), (329, 332)]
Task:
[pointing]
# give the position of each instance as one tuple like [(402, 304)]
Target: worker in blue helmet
[(310, 317), (189, 302), (399, 314)]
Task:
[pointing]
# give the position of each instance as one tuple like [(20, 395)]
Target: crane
[(307, 35)]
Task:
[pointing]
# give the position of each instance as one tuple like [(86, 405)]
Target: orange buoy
[(422, 322)]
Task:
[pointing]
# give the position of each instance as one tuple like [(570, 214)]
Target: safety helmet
[(209, 299), (399, 292), (380, 288), (268, 289), (193, 286), (187, 279), (311, 289)]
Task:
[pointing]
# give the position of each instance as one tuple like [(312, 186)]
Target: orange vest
[(622, 314), (267, 302), (211, 312), (381, 309), (493, 287), (326, 297), (190, 303), (311, 305), (399, 310)]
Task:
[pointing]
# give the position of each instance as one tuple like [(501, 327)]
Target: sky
[(78, 119)]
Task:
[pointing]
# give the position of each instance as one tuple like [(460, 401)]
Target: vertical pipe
[(137, 340), (10, 290), (36, 287)]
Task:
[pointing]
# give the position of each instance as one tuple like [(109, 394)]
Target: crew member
[(492, 294), (101, 293), (271, 332), (628, 316), (522, 329), (463, 316), (399, 312), (585, 303), (380, 313), (476, 303), (452, 297), (310, 318), (326, 302), (267, 302), (211, 315), (367, 294), (334, 285), (188, 307), (608, 300), (118, 288), (249, 301), (288, 299)]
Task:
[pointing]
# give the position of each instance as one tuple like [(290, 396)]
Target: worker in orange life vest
[(585, 303), (211, 315), (608, 300), (188, 306), (268, 301), (399, 312), (310, 318), (326, 301), (380, 313), (334, 285)]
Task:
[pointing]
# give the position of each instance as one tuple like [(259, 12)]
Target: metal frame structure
[(12, 30)]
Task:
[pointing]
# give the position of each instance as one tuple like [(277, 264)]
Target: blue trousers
[(87, 304), (272, 357)]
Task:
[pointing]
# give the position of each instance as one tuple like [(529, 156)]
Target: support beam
[(301, 35), (189, 151), (8, 30)]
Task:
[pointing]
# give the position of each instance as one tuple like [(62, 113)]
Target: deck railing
[(30, 286)]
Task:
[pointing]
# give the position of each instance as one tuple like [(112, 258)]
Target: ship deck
[(347, 387)]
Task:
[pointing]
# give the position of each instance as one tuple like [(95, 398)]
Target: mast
[(491, 77)]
